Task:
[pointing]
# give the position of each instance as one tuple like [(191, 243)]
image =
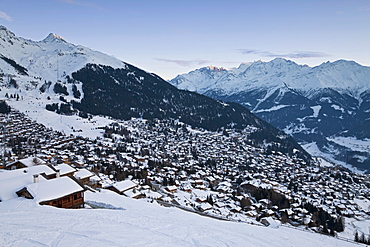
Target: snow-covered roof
[(64, 169), (12, 181), (53, 189), (270, 222), (133, 193), (83, 173), (205, 206), (4, 174), (95, 178), (124, 185), (171, 188), (28, 162), (152, 194)]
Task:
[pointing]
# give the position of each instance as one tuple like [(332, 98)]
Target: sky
[(171, 37)]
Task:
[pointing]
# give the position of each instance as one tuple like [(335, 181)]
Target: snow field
[(24, 223)]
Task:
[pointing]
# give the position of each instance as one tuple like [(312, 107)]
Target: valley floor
[(136, 223)]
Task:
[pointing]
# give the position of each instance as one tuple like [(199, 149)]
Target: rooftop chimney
[(36, 178), (58, 173)]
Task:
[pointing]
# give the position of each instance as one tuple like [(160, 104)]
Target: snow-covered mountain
[(58, 77), (51, 58), (344, 76), (327, 105)]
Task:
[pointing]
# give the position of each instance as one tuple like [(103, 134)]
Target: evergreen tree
[(4, 107)]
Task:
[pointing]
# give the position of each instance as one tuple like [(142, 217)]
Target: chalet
[(266, 203), (270, 222), (171, 188), (122, 186), (234, 208), (62, 192), (77, 164), (139, 158), (134, 193), (23, 163), (201, 199), (95, 182), (34, 183), (251, 213), (186, 187), (198, 182), (153, 195), (64, 170), (11, 181), (83, 175), (267, 212), (224, 187), (204, 206)]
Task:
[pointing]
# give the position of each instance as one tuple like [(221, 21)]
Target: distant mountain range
[(74, 80), (326, 108)]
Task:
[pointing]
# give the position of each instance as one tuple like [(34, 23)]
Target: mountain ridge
[(276, 72), (313, 104)]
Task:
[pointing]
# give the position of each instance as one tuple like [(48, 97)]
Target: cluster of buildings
[(222, 174), (216, 173)]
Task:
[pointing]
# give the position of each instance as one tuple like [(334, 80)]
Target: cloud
[(296, 54), (248, 51), (5, 16), (304, 54), (364, 8), (185, 63), (81, 3)]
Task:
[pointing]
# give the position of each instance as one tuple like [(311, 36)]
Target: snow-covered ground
[(326, 159), (136, 223), (35, 109), (352, 143), (275, 108)]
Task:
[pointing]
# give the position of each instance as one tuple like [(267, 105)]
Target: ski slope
[(136, 223)]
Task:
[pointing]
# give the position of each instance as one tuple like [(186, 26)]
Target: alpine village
[(166, 146)]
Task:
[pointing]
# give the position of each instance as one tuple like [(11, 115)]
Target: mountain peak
[(244, 65), (280, 60), (214, 68), (53, 37), (6, 31)]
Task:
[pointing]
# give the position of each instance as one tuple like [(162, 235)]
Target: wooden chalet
[(122, 186), (83, 175), (62, 192), (23, 163), (64, 170), (171, 188)]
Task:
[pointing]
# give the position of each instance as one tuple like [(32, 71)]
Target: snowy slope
[(136, 223), (45, 62), (75, 125), (51, 58)]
